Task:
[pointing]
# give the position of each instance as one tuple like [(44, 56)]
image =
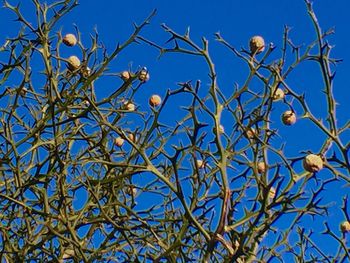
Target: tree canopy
[(121, 177)]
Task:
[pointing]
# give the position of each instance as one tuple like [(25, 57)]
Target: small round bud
[(144, 75), (119, 141), (200, 164), (257, 44), (261, 167), (70, 40), (73, 63), (289, 117), (155, 100), (279, 95), (129, 106), (313, 163), (131, 137), (125, 75), (345, 227)]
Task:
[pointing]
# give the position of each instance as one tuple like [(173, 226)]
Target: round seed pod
[(289, 118), (69, 40), (256, 44), (144, 75), (278, 95), (129, 106), (261, 167), (73, 63), (131, 137), (119, 141), (155, 100), (313, 163), (345, 227), (125, 75)]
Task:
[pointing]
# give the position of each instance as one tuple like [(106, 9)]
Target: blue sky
[(237, 21)]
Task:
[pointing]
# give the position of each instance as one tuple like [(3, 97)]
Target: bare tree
[(220, 192)]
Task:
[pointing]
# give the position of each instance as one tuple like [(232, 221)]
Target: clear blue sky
[(237, 21)]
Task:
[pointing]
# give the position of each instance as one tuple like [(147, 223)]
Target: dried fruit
[(257, 44), (155, 100), (119, 141), (261, 167), (289, 117), (70, 40), (144, 75), (125, 75), (313, 163), (73, 63), (345, 227), (278, 95)]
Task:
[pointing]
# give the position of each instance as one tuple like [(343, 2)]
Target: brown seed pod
[(125, 75), (73, 63), (131, 137), (313, 163), (345, 227), (70, 40), (289, 117), (261, 167), (129, 106), (119, 141), (278, 95), (257, 44), (155, 100)]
